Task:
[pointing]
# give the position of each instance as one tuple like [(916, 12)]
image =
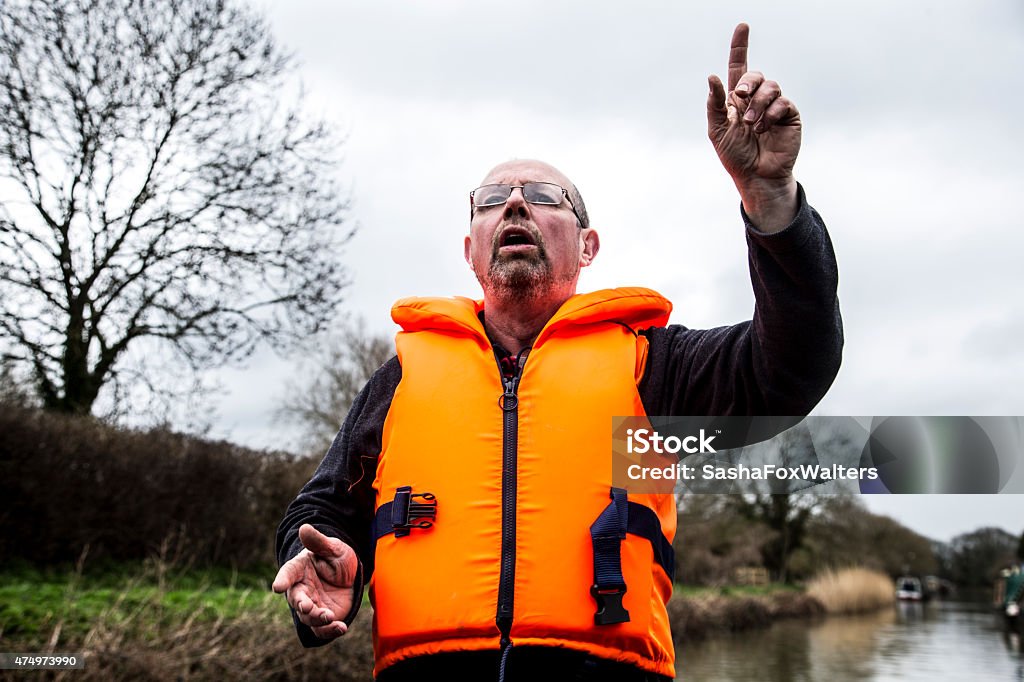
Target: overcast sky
[(911, 152)]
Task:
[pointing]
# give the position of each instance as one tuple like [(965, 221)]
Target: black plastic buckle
[(609, 605), (407, 514)]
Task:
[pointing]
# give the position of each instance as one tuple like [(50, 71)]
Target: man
[(1012, 596), (479, 457)]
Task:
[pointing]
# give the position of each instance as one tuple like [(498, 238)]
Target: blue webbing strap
[(643, 521), (607, 534), (407, 511), (382, 522)]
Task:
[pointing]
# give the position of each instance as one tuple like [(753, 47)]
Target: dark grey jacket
[(779, 363)]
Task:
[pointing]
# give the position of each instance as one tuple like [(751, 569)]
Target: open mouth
[(516, 237)]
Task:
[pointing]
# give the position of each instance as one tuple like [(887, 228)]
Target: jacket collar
[(636, 307)]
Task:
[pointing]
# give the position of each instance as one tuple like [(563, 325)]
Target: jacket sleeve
[(779, 363), (339, 499)]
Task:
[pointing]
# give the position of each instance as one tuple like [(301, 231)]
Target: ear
[(468, 250), (591, 245)]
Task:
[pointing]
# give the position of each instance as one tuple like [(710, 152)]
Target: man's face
[(524, 251)]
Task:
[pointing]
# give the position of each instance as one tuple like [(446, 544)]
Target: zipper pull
[(509, 401)]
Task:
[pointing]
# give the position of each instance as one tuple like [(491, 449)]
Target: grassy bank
[(696, 613), (165, 624), (33, 604)]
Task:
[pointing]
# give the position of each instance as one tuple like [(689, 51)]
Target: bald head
[(539, 171)]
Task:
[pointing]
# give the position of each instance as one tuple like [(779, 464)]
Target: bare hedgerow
[(69, 482)]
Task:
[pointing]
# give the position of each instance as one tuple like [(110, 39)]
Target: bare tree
[(780, 508), (978, 556), (156, 183), (786, 517), (349, 359)]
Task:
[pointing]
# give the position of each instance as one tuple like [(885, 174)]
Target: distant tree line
[(793, 537), (719, 534)]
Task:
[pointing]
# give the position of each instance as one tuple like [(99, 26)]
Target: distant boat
[(908, 588)]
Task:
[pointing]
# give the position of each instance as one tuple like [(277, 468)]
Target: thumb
[(718, 114), (287, 575), (318, 543)]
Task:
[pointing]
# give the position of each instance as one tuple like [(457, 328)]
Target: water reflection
[(937, 641), (1015, 645)]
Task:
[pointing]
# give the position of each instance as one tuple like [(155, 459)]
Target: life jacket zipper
[(509, 402)]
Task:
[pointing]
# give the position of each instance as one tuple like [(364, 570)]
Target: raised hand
[(318, 582), (756, 133)]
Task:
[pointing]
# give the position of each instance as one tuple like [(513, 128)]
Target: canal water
[(935, 641)]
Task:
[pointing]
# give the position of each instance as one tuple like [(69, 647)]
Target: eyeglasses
[(542, 193)]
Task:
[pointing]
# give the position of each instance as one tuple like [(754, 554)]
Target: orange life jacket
[(505, 523)]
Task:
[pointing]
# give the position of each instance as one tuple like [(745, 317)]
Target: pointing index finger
[(738, 55)]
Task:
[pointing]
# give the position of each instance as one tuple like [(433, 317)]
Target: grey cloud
[(848, 64)]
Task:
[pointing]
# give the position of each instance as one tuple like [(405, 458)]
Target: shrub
[(71, 483)]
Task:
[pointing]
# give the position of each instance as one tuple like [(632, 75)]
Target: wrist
[(771, 204)]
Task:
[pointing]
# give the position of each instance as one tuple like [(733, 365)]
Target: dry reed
[(852, 590)]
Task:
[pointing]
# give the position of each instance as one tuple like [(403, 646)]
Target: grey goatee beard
[(519, 279)]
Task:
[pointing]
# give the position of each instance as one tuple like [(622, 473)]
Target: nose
[(516, 204)]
